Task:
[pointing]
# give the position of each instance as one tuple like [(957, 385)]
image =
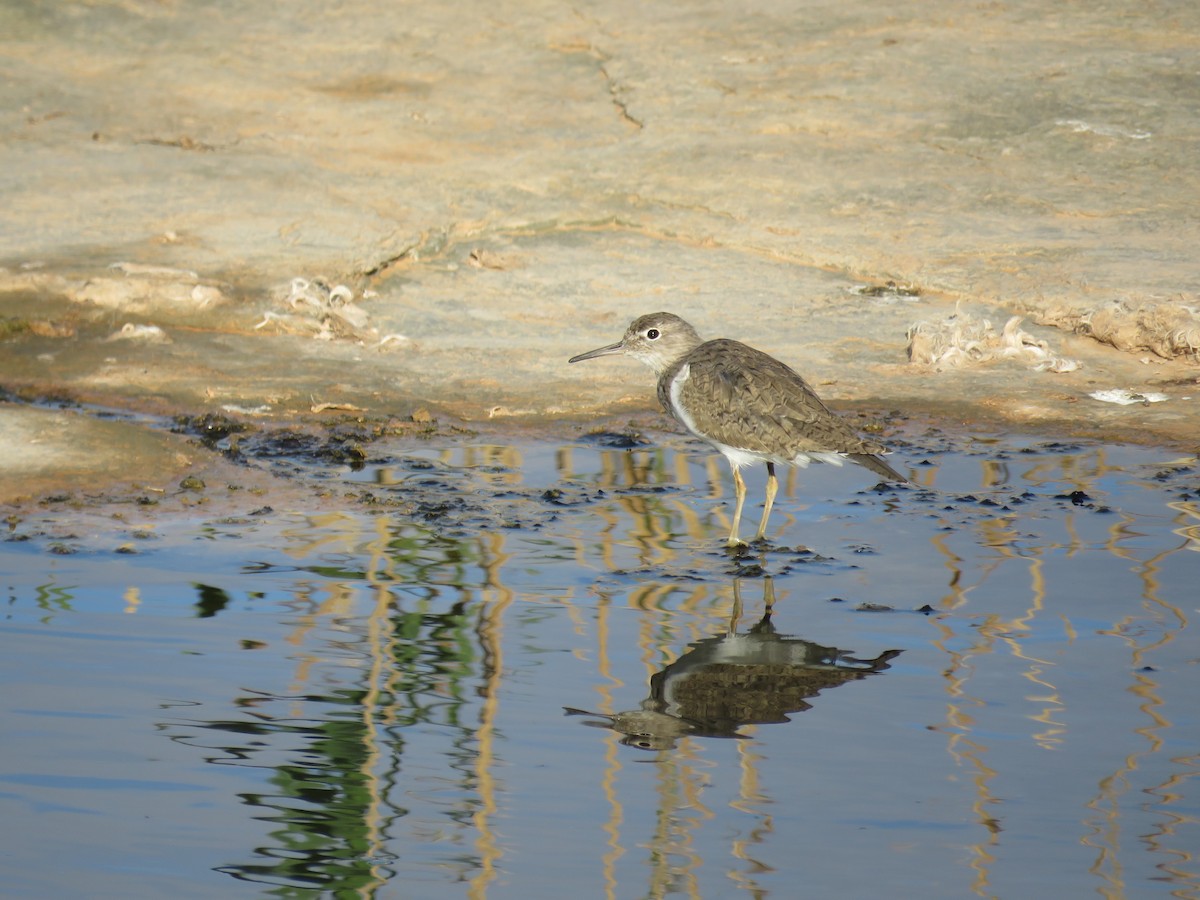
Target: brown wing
[(746, 399)]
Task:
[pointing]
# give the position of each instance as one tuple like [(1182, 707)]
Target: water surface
[(980, 684)]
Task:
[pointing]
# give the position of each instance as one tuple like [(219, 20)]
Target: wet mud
[(220, 465)]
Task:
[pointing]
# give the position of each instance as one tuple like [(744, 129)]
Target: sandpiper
[(748, 405)]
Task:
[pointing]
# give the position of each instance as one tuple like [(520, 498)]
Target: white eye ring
[(653, 334)]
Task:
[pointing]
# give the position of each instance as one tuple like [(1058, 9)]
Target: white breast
[(675, 390)]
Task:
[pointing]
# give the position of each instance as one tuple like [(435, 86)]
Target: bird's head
[(657, 339)]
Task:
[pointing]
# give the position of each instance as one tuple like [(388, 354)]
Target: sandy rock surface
[(391, 208)]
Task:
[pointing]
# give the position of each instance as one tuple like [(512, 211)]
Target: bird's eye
[(653, 334)]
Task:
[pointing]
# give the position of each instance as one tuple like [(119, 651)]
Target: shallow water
[(981, 684)]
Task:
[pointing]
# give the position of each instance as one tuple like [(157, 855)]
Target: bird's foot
[(741, 553)]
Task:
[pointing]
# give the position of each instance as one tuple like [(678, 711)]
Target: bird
[(748, 405)]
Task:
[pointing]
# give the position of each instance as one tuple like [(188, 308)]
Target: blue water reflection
[(982, 683)]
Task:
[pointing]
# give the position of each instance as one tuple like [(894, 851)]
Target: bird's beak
[(618, 347)]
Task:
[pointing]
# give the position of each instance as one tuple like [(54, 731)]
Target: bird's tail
[(878, 466)]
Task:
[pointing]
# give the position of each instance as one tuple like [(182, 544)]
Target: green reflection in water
[(337, 755)]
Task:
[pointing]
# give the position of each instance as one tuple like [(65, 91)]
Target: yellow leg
[(736, 613), (772, 490), (739, 488)]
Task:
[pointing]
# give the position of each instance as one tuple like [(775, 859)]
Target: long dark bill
[(600, 351)]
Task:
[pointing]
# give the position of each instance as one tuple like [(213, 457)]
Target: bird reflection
[(755, 677)]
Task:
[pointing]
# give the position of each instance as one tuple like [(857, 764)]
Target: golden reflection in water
[(649, 521), (490, 629), (614, 846), (1180, 864), (1105, 832), (350, 534), (958, 726), (381, 681), (133, 599), (751, 800), (1102, 831), (1188, 531), (336, 532), (724, 684), (332, 532), (650, 514)]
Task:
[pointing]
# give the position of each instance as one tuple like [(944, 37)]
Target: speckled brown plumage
[(748, 405), (743, 398)]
